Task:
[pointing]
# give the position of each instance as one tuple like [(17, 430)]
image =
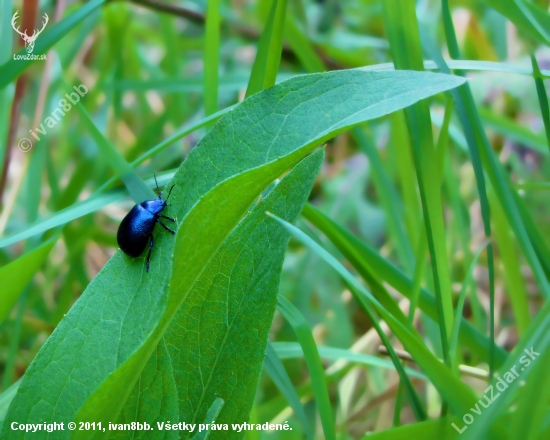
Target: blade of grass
[(371, 277), (528, 419), (136, 187), (455, 133), (365, 259), (279, 376), (6, 94), (473, 65), (543, 98), (459, 395), (6, 99), (388, 198), (211, 57), (537, 241), (453, 342), (533, 186), (472, 139), (400, 148), (302, 47), (512, 130), (266, 64), (5, 400), (527, 16), (479, 146), (535, 340), (290, 350), (210, 418), (416, 404), (402, 29), (461, 227), (15, 339), (449, 29), (16, 275), (517, 292), (313, 361), (421, 251), (419, 269), (440, 429)]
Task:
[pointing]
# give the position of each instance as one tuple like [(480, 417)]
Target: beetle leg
[(169, 218), (151, 243), (165, 227)]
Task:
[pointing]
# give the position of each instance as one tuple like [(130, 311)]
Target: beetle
[(137, 227)]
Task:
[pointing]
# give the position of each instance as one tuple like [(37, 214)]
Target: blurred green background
[(153, 68)]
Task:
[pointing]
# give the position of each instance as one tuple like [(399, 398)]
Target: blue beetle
[(137, 227)]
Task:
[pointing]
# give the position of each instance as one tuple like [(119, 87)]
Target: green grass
[(360, 191)]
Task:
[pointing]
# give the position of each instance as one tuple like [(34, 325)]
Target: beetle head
[(154, 206)]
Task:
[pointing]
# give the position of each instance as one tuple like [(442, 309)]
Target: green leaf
[(96, 355), (204, 358)]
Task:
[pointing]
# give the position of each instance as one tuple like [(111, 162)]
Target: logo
[(29, 40)]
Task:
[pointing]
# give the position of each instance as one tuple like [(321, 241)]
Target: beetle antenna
[(169, 192), (156, 183)]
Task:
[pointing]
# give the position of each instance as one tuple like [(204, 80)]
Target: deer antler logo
[(29, 41)]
